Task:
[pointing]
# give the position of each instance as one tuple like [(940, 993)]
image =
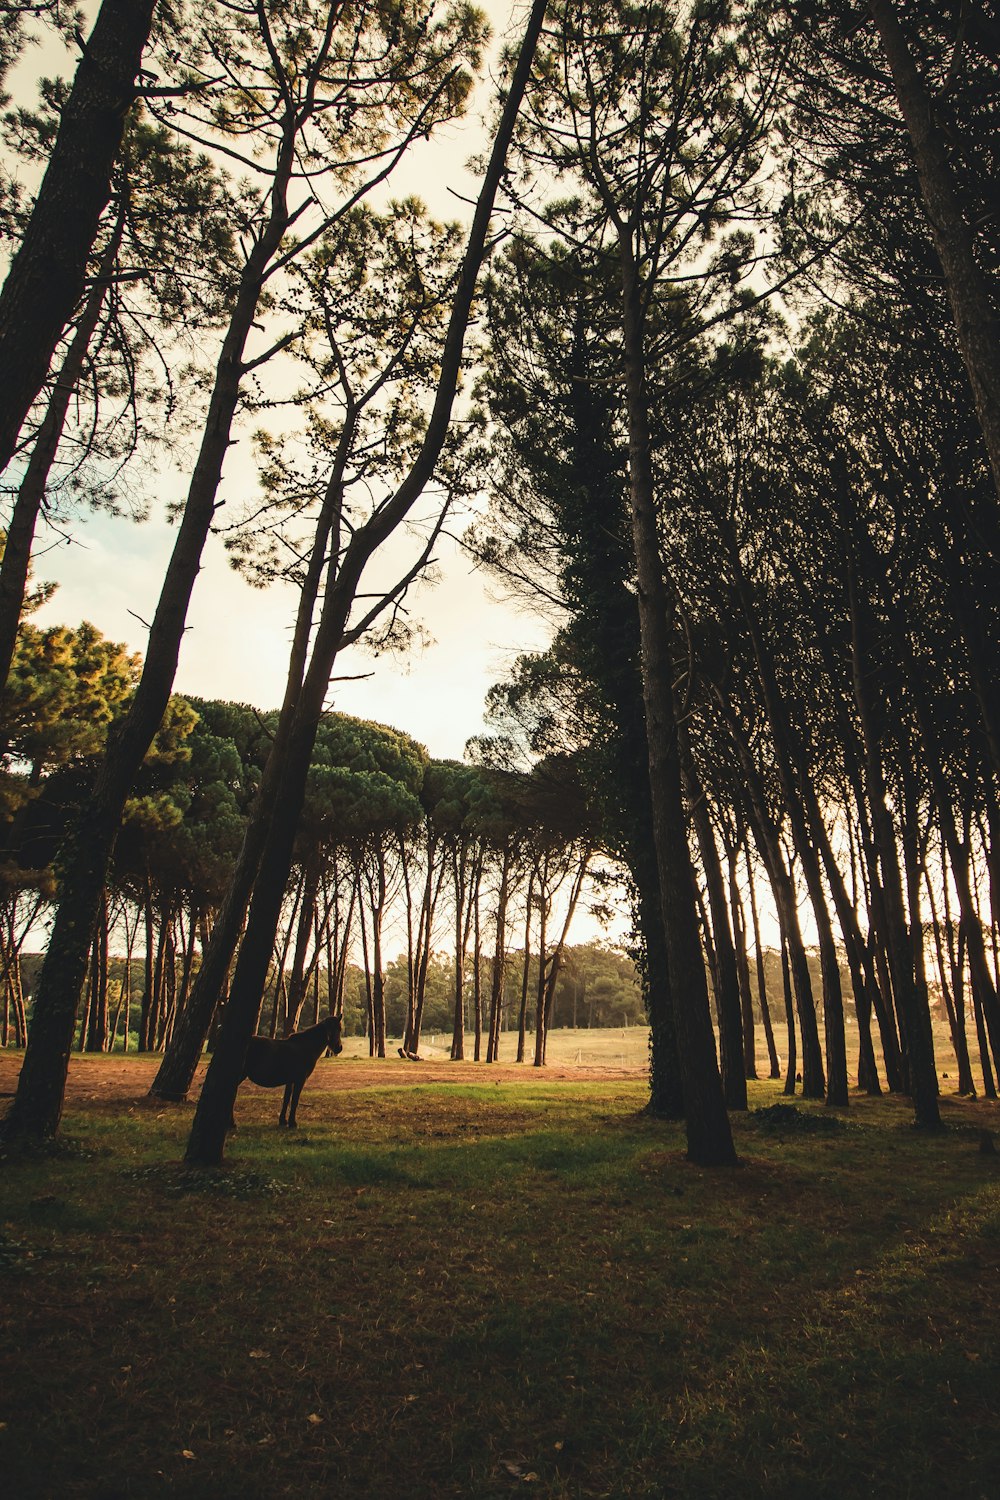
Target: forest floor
[(507, 1282)]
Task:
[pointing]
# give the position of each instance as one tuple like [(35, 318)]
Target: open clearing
[(490, 1287)]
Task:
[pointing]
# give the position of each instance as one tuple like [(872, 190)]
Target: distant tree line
[(389, 841)]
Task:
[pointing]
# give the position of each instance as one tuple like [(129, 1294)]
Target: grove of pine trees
[(731, 417)]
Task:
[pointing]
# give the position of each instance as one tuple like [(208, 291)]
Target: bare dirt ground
[(126, 1080)]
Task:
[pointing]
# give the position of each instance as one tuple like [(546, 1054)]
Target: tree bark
[(765, 1009), (971, 302), (16, 561), (46, 276), (38, 1104), (736, 1056), (918, 1039), (769, 845), (709, 1136), (215, 1107)]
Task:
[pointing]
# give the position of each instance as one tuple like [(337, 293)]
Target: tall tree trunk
[(31, 491), (666, 1096), (498, 973), (214, 1112), (551, 970), (737, 1055), (522, 1015), (758, 948), (463, 915), (769, 846), (709, 1136), (97, 1023), (477, 980), (544, 904), (46, 277), (38, 1105), (806, 822), (971, 302), (299, 976), (786, 989), (738, 916), (428, 907), (918, 1040), (956, 1013)]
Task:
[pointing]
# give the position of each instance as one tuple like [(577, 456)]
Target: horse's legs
[(295, 1090), (288, 1099)]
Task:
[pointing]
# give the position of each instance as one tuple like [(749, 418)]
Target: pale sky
[(236, 646)]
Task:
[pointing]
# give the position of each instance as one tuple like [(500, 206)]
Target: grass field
[(628, 1047), (487, 1289), (610, 1046)]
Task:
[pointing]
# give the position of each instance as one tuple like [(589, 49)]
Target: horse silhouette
[(288, 1062)]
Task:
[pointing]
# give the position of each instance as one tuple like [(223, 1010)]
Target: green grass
[(485, 1291)]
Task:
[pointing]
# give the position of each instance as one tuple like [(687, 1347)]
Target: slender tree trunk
[(46, 277), (31, 491), (214, 1110), (971, 303), (378, 973), (769, 845), (786, 988), (477, 980), (709, 1137), (551, 971), (806, 823), (97, 1023), (543, 938), (299, 977), (38, 1105), (765, 1010), (915, 1019), (956, 1015), (428, 908), (522, 1015), (737, 1056), (499, 968), (369, 994), (463, 913), (743, 971)]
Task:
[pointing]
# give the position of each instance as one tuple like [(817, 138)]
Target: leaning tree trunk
[(803, 811), (736, 1057), (709, 1136), (971, 303), (738, 919), (214, 1112), (38, 1105), (765, 1009), (915, 1019), (769, 846), (299, 977), (30, 497), (954, 1004), (181, 1058), (551, 971), (47, 275)]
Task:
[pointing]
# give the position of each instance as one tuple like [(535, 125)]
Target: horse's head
[(333, 1041)]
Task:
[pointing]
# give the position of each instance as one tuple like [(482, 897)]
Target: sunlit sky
[(109, 570)]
